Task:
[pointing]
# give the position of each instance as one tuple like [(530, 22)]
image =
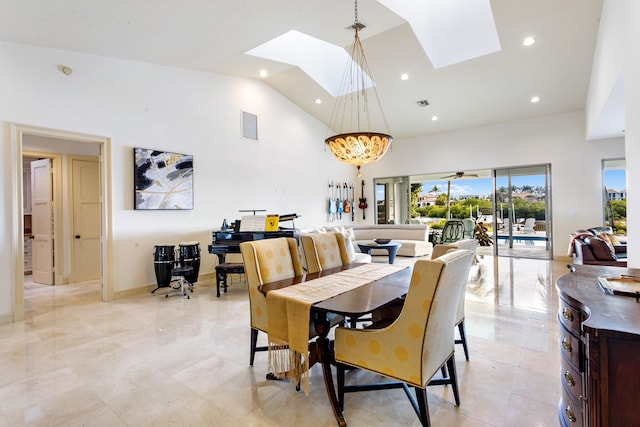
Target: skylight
[(323, 62), (450, 31)]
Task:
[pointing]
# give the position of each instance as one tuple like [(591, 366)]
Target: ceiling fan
[(459, 175)]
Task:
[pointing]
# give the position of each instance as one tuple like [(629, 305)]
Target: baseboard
[(6, 319)]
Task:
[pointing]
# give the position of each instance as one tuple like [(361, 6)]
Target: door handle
[(77, 236)]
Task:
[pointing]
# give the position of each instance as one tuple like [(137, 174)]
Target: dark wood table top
[(606, 311), (358, 301)]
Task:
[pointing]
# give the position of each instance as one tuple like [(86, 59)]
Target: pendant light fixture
[(355, 142)]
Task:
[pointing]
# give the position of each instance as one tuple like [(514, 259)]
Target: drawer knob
[(569, 378), (566, 345), (570, 415), (567, 315)]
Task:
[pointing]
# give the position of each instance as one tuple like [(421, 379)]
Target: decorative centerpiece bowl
[(382, 241)]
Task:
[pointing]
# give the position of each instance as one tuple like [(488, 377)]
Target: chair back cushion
[(439, 250), (324, 250), (267, 261), (442, 309)]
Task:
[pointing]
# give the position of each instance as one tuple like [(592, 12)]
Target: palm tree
[(448, 217)]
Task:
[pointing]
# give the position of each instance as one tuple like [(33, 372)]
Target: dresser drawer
[(571, 379), (570, 411), (570, 348), (570, 317)]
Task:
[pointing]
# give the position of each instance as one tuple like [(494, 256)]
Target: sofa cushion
[(601, 249), (597, 230)]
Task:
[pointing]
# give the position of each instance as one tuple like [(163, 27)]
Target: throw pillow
[(607, 240), (614, 240)]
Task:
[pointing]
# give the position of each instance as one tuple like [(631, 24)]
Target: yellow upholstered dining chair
[(419, 342), (268, 261), (439, 250), (324, 250)]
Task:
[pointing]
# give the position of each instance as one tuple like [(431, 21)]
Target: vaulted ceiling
[(213, 35)]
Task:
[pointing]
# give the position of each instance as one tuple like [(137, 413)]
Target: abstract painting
[(163, 180)]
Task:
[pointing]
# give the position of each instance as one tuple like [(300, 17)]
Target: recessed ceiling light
[(528, 41), (263, 73), (404, 76), (535, 99), (434, 118), (318, 101)]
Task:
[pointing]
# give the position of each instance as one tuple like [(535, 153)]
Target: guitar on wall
[(332, 203), (353, 202), (339, 201), (346, 205), (363, 200)]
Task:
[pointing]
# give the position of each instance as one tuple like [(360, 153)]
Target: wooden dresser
[(600, 346)]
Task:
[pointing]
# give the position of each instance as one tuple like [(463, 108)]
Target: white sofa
[(413, 238)]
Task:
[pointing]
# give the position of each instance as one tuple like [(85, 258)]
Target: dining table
[(353, 303)]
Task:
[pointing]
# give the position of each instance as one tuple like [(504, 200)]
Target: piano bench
[(221, 274)]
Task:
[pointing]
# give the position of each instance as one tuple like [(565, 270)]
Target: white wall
[(142, 105), (604, 102), (576, 181), (632, 135), (616, 76)]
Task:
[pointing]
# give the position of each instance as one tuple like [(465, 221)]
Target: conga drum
[(190, 257), (164, 257)]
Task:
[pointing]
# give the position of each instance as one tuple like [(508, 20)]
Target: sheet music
[(253, 222)]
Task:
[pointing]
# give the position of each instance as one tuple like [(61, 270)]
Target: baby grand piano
[(228, 242), (225, 242)]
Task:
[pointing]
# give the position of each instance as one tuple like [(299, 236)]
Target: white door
[(42, 221), (86, 221)]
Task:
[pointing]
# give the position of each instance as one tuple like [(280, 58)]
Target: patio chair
[(529, 225), (469, 226), (452, 231)]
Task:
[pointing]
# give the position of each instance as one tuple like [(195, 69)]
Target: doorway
[(21, 135), (381, 203), (521, 216), (513, 204)]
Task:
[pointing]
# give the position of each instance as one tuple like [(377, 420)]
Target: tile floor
[(152, 361)]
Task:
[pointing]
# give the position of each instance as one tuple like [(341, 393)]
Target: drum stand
[(182, 285)]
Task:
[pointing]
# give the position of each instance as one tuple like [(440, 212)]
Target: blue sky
[(613, 179), (481, 186)]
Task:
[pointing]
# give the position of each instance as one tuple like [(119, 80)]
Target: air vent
[(422, 103)]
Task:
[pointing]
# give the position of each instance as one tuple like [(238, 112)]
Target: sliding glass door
[(522, 225)]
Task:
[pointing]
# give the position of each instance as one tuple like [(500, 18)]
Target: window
[(614, 179)]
